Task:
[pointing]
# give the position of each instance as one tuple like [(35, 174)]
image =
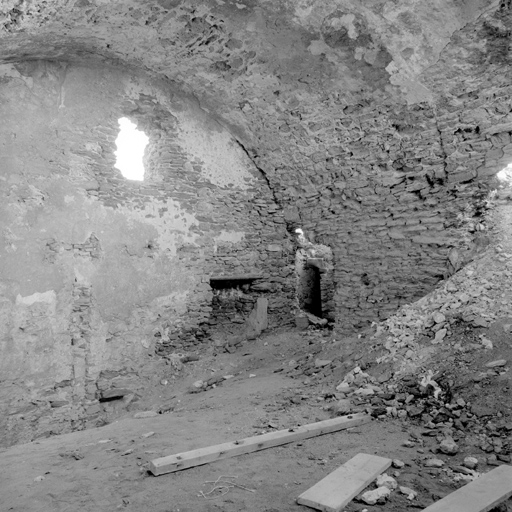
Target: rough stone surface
[(434, 463), (258, 320), (99, 272), (377, 165), (385, 480), (470, 462), (379, 495), (448, 446), (375, 127)]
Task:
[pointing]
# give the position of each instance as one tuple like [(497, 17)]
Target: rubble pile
[(441, 365), (474, 296)]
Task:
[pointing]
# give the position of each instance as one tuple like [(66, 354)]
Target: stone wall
[(96, 267), (375, 128), (398, 190)]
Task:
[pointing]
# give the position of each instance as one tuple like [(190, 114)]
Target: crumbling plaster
[(376, 126), (95, 267)]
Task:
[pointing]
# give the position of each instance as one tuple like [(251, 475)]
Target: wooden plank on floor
[(481, 495), (200, 456), (340, 487)]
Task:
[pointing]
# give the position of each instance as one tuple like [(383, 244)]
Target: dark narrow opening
[(313, 292), (315, 283)]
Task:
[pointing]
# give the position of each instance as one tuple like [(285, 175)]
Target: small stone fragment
[(463, 470), (39, 478), (492, 460), (497, 363), (480, 322), (449, 446), (379, 495), (438, 317), (197, 386), (470, 462), (411, 495), (451, 287), (414, 411), (398, 464), (481, 410), (364, 391), (385, 480), (145, 414), (433, 463), (341, 407), (487, 343), (73, 454), (440, 335)]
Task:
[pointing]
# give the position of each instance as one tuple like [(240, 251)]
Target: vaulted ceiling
[(266, 55)]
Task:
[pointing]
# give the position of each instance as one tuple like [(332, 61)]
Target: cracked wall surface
[(375, 126)]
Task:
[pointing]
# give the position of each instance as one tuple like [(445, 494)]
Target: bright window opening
[(131, 144)]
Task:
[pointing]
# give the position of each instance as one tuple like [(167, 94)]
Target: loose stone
[(434, 463), (379, 495)]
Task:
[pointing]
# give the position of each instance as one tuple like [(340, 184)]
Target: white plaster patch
[(414, 90), (318, 47), (303, 12), (8, 70), (259, 80), (173, 226), (177, 301), (222, 161), (359, 53), (48, 297), (80, 279), (230, 236), (370, 54), (347, 22)]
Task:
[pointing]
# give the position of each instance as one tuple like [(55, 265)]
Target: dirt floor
[(103, 469), (434, 378)]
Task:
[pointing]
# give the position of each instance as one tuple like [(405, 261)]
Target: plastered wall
[(93, 267)]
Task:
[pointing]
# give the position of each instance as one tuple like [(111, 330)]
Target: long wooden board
[(338, 488), (480, 495), (200, 456)]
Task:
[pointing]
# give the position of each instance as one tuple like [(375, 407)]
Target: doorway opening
[(315, 280)]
